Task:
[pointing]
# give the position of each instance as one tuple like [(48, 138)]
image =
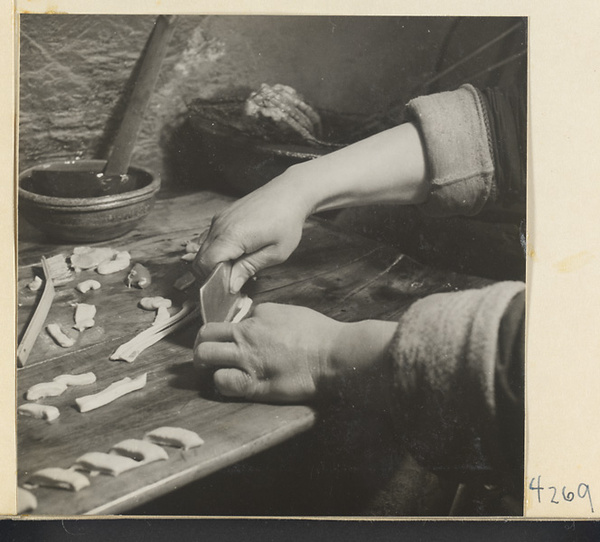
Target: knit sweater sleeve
[(452, 395)]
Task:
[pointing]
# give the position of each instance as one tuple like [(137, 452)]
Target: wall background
[(74, 69)]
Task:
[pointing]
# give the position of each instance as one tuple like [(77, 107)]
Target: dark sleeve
[(510, 384), (506, 114)]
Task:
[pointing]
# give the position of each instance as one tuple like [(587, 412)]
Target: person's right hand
[(263, 228), (260, 230)]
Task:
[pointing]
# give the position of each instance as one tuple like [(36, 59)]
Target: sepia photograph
[(272, 265)]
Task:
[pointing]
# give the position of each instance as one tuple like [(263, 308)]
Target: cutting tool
[(217, 303)]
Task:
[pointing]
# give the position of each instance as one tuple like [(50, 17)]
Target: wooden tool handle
[(120, 157), (38, 319)]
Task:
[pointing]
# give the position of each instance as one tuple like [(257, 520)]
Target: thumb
[(233, 383), (247, 266), (213, 252)]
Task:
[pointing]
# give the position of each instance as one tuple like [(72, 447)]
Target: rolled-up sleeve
[(460, 163)]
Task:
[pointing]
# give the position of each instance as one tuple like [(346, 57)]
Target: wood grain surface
[(339, 274)]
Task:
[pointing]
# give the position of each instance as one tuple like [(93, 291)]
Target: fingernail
[(237, 285)]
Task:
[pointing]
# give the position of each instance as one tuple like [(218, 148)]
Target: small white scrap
[(189, 257), (26, 501), (243, 308), (35, 284), (111, 393), (105, 463), (88, 285), (40, 412), (58, 478), (45, 389), (82, 379), (154, 303), (174, 436), (192, 247), (84, 316), (120, 261), (140, 450)]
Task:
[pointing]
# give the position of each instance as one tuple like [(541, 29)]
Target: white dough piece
[(140, 450), (82, 379), (162, 315), (89, 258), (174, 436), (26, 501), (57, 334), (112, 392), (35, 284), (112, 464), (84, 316), (59, 478), (41, 412), (154, 303), (88, 285), (45, 389), (189, 257), (118, 263)]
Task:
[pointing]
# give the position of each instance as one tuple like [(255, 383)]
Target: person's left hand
[(289, 354), (279, 354)]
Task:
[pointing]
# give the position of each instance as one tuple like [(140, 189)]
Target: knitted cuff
[(444, 356), (459, 159)]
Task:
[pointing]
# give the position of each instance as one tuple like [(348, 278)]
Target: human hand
[(263, 228), (260, 230), (289, 354)]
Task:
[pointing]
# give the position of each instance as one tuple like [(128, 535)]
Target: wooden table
[(341, 275)]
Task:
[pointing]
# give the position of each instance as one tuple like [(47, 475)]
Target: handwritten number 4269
[(583, 491)]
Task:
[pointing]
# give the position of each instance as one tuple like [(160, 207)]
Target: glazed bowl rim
[(89, 203)]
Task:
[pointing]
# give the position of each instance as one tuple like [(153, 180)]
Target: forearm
[(388, 167), (357, 363)]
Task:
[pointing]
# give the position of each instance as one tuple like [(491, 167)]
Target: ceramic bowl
[(68, 200)]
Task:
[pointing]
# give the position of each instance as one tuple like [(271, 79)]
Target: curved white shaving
[(113, 392), (45, 389)]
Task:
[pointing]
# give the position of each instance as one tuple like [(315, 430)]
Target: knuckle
[(233, 382)]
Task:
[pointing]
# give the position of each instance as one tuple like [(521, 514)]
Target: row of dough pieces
[(107, 261), (84, 315), (85, 404), (124, 456)]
